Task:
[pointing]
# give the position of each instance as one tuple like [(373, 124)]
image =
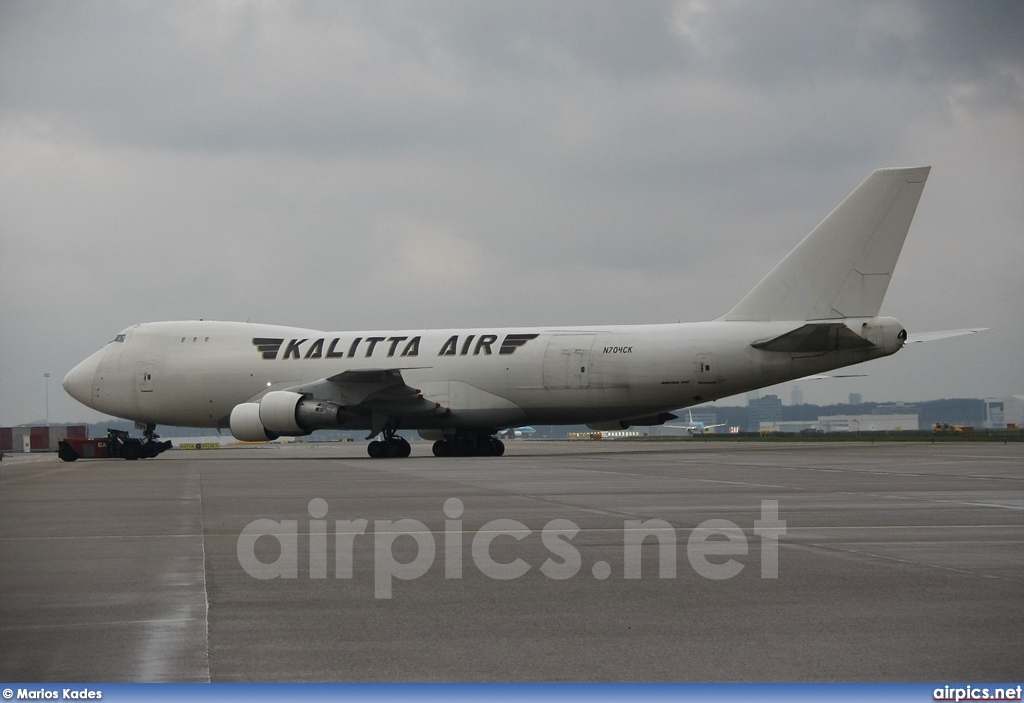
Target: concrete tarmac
[(898, 562)]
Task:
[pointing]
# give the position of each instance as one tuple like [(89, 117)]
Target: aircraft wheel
[(442, 448), (131, 450), (497, 447), (375, 449), (394, 449), (462, 447), (406, 447)]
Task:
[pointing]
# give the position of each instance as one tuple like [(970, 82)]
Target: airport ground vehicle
[(945, 428), (116, 444)]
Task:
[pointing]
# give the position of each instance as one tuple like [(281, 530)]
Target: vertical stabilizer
[(843, 267)]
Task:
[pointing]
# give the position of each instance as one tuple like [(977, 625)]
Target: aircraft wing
[(944, 334), (697, 428), (372, 390), (825, 376)]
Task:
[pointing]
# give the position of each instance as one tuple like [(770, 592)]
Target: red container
[(39, 438), (71, 448)]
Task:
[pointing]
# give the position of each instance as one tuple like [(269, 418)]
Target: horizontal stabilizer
[(843, 267), (944, 334)]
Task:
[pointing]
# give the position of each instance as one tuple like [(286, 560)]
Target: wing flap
[(374, 390)]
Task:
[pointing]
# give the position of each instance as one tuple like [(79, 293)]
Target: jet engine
[(284, 413)]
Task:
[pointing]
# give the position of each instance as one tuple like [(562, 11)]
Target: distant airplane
[(698, 427), (516, 432), (816, 311)]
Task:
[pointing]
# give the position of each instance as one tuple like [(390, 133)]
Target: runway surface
[(899, 562)]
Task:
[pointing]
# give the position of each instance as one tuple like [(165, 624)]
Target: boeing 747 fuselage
[(816, 311)]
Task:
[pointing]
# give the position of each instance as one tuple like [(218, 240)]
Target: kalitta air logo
[(324, 348), (268, 346)]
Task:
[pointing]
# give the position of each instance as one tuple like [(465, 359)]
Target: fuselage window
[(119, 338)]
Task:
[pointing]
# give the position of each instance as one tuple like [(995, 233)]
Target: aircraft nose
[(78, 382)]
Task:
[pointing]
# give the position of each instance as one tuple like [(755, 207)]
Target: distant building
[(796, 396), (767, 409), (856, 399), (1001, 412), (868, 423), (845, 423), (896, 409), (790, 426)]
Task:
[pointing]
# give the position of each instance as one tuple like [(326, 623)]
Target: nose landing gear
[(131, 448)]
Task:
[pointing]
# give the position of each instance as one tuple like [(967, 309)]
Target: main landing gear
[(391, 447), (469, 445)]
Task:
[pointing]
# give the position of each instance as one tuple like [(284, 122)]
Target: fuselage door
[(567, 361), (706, 368), (144, 372)]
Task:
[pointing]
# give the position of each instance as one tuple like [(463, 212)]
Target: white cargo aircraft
[(696, 426), (817, 310)]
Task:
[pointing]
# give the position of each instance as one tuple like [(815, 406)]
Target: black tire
[(131, 450), (151, 450), (406, 447), (375, 449), (393, 449), (442, 448), (497, 447), (66, 452), (462, 447)]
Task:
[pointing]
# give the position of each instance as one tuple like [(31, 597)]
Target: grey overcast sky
[(347, 165)]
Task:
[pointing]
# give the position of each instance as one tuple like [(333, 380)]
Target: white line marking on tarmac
[(789, 529)]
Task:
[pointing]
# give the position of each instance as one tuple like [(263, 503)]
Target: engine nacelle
[(246, 425), (278, 412), (284, 413)]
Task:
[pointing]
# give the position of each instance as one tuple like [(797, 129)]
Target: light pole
[(47, 377)]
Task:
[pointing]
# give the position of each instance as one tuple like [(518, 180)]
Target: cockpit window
[(119, 338)]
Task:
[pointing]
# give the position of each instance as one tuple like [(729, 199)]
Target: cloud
[(393, 164)]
